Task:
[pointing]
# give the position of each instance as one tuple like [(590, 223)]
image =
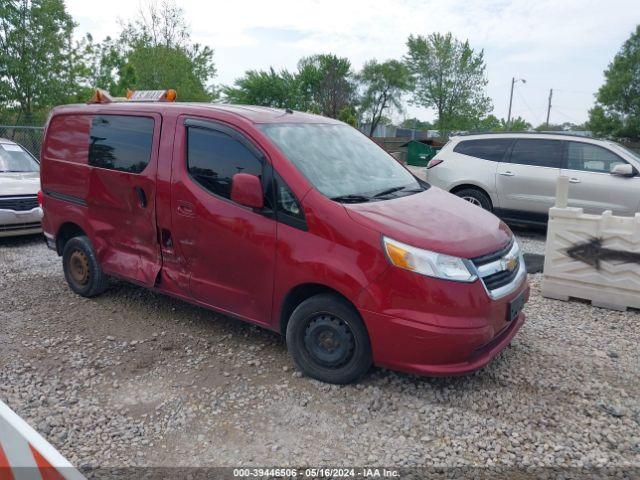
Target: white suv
[(514, 174), (20, 213)]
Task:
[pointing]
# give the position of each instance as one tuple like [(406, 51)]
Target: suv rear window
[(121, 142), (487, 149), (537, 152)]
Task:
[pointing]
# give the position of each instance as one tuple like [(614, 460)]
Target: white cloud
[(553, 44)]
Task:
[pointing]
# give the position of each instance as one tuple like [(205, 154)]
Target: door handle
[(185, 209), (574, 180), (142, 197), (507, 174)]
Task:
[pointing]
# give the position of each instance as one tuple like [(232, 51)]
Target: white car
[(515, 174), (20, 213)]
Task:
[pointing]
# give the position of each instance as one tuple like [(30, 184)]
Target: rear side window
[(591, 158), (213, 158), (487, 149), (538, 153), (120, 142)]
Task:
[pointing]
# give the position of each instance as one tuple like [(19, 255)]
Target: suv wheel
[(81, 268), (328, 341), (476, 197)]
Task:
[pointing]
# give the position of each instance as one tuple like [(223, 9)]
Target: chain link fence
[(29, 137)]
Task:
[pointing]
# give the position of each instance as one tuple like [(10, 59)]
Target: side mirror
[(623, 170), (246, 190)]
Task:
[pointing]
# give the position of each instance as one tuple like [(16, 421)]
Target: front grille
[(500, 279), (21, 203), (20, 226), (493, 268)]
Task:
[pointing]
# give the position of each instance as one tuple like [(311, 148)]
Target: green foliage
[(38, 66), (517, 124), (323, 84), (617, 110), (449, 76), (156, 52), (559, 127), (268, 89), (328, 82), (417, 124), (383, 85)]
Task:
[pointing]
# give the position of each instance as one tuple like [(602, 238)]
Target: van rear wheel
[(328, 340), (81, 268)]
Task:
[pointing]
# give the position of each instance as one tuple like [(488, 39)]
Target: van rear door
[(123, 158)]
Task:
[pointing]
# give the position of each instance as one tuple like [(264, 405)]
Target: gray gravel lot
[(136, 378)]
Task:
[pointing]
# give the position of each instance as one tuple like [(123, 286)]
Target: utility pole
[(513, 82), (549, 106)]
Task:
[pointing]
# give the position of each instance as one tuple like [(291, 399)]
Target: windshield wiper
[(388, 191), (351, 198)]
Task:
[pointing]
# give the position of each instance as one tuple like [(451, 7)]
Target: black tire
[(81, 268), (475, 197), (328, 340)]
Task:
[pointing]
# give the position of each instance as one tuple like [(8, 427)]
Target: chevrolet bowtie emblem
[(510, 263)]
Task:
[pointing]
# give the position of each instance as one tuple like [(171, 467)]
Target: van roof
[(253, 113), (6, 140)]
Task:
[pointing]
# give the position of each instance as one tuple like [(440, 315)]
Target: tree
[(383, 85), (267, 88), (449, 76), (617, 109), (38, 66), (414, 123), (323, 84), (327, 80), (517, 124), (155, 52)]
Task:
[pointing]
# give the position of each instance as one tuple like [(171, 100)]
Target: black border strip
[(66, 198)]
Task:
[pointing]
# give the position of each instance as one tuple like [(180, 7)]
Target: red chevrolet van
[(291, 221)]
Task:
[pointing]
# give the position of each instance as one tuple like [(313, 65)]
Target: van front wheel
[(81, 268), (328, 340)]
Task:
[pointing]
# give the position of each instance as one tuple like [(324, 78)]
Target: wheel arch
[(299, 294), (66, 232), (464, 186)]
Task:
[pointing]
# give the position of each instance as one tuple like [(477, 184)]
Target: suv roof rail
[(564, 133)]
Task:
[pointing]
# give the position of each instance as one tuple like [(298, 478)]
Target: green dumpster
[(419, 152)]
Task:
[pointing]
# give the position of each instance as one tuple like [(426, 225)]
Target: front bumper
[(14, 223), (435, 327)]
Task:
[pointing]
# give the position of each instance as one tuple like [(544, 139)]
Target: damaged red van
[(291, 221)]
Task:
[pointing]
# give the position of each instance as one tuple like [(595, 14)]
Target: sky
[(561, 44)]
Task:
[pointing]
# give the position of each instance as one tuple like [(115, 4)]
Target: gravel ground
[(136, 378)]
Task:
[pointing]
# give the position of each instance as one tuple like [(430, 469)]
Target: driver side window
[(213, 158), (591, 158)]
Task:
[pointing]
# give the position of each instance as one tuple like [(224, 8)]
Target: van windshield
[(13, 158), (341, 163)]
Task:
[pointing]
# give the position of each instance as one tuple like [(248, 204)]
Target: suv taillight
[(432, 163), (40, 195)]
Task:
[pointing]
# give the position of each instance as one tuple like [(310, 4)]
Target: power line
[(528, 107)]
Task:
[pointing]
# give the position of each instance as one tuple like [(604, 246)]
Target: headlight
[(426, 262)]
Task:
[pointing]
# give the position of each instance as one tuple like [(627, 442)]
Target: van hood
[(437, 221), (19, 183)]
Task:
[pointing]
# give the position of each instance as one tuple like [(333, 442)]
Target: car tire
[(475, 197), (328, 341), (81, 268)]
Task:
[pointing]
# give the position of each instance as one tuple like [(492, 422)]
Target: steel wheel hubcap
[(329, 340), (79, 267)]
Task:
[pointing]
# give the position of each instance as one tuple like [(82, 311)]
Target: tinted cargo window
[(119, 142), (591, 158), (539, 153), (213, 158), (489, 149)]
